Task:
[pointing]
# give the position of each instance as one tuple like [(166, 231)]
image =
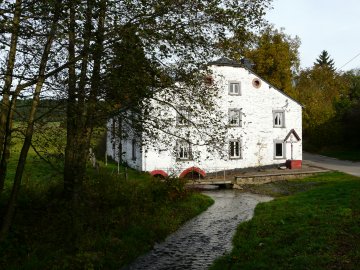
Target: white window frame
[(183, 150), (182, 116), (233, 152), (232, 86), (281, 115), (238, 118), (277, 142)]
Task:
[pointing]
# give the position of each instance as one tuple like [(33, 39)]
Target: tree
[(354, 78), (348, 111), (319, 90), (56, 13), (276, 58), (70, 48), (173, 39), (5, 102), (325, 61)]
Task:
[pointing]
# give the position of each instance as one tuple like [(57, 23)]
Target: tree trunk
[(10, 210), (5, 103), (77, 146), (81, 111)]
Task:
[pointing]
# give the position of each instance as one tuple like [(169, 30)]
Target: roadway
[(345, 166)]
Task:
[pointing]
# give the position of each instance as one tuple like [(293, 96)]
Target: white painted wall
[(257, 132), (113, 145)]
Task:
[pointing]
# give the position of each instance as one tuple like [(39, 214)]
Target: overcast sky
[(331, 25)]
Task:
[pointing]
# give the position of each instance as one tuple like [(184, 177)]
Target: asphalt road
[(345, 166)]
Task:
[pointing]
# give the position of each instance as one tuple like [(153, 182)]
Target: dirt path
[(345, 166)]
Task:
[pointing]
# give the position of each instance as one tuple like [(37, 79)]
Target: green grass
[(118, 219), (315, 228)]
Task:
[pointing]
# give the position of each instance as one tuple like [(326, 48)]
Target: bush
[(118, 219)]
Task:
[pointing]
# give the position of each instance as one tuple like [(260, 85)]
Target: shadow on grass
[(118, 220)]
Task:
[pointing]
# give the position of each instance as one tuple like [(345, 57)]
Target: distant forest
[(49, 110)]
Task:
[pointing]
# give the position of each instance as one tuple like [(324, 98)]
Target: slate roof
[(224, 61)]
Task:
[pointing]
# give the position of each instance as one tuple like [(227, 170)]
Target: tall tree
[(177, 37), (276, 58), (69, 52), (325, 61), (319, 89), (348, 111), (5, 101), (9, 214)]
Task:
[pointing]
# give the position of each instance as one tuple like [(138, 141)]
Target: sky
[(331, 25)]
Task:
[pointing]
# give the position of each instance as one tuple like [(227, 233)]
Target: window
[(235, 149), (278, 118), (182, 118), (183, 150), (279, 150), (235, 117), (133, 149), (234, 88)]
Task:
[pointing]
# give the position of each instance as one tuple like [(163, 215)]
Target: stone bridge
[(235, 180)]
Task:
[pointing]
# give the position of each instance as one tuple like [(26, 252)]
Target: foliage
[(118, 219), (354, 77), (331, 115), (325, 61), (290, 233), (320, 90), (69, 48), (276, 58), (341, 152), (348, 111), (49, 110), (130, 74), (72, 48)]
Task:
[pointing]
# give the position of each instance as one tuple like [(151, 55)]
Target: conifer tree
[(324, 60)]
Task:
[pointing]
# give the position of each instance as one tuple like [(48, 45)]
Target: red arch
[(192, 169), (159, 172)]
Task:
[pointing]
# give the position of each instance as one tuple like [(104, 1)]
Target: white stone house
[(264, 128)]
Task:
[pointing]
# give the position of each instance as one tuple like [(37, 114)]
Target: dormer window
[(234, 88)]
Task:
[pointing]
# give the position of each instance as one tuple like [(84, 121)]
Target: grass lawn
[(317, 227), (118, 220)]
